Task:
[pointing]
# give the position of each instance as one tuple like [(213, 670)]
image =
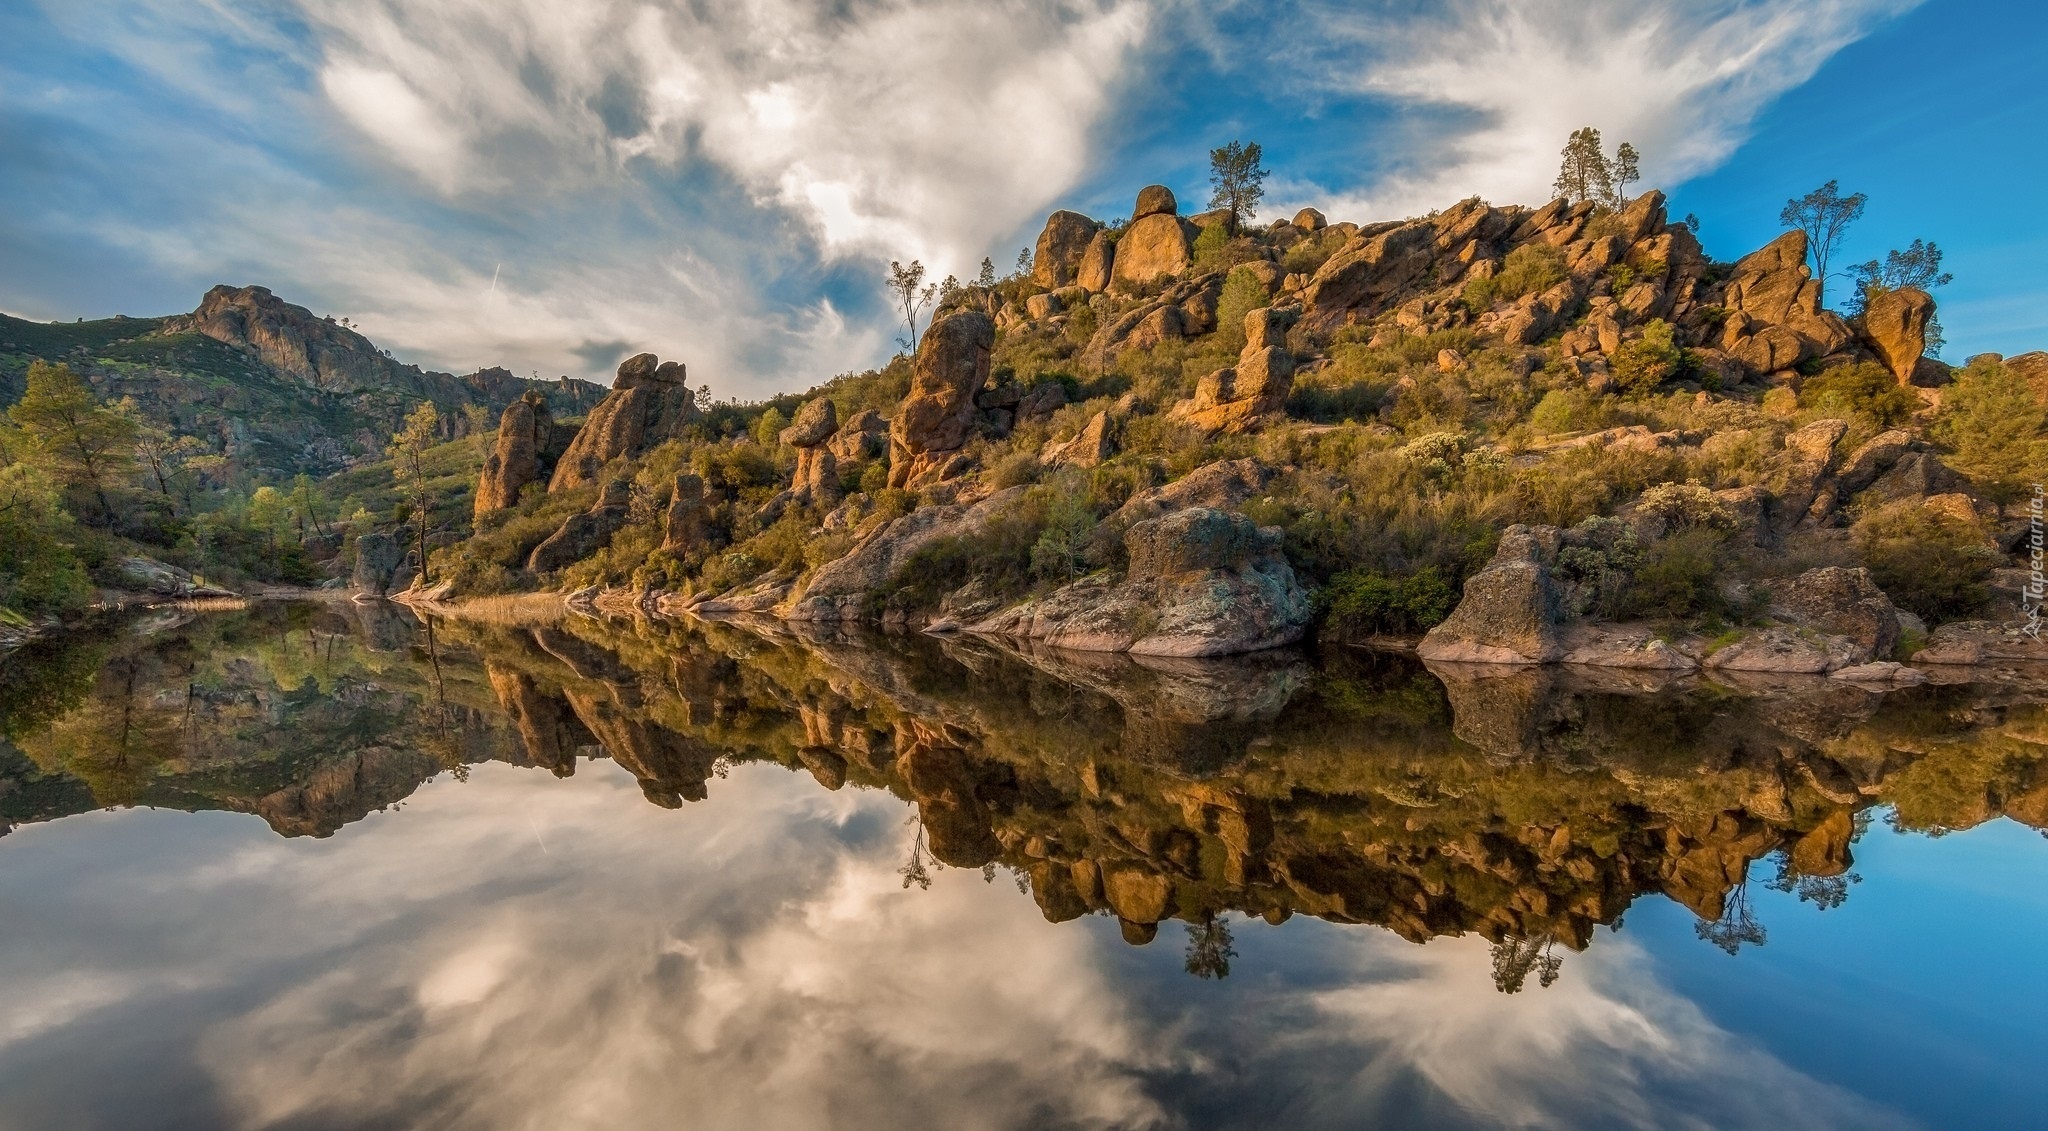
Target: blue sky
[(549, 185)]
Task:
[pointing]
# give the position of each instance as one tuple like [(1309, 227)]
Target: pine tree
[(78, 441), (1239, 182), (1584, 173)]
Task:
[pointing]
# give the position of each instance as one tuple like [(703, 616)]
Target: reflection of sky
[(519, 952)]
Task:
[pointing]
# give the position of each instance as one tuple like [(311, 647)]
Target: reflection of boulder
[(549, 731)]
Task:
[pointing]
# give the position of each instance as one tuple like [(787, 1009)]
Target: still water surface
[(313, 867)]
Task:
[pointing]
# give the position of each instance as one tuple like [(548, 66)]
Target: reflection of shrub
[(1865, 389), (1367, 602), (1931, 563)]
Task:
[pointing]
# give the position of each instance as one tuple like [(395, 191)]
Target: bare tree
[(912, 293), (1824, 215)]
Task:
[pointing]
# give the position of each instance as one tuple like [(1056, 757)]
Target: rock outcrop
[(1098, 264), (651, 401), (937, 416), (1840, 602), (864, 436), (379, 557), (816, 481), (686, 527), (1510, 613), (1201, 583), (1095, 443), (1895, 325), (1156, 244), (1061, 247), (1236, 399), (525, 452), (582, 535), (840, 589)]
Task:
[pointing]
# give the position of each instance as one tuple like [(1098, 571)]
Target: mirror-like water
[(328, 866)]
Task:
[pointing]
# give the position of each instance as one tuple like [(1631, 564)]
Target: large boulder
[(1235, 399), (582, 535), (816, 480), (864, 436), (881, 557), (687, 527), (1061, 247), (1096, 443), (1370, 274), (1895, 325), (379, 557), (1154, 247), (1097, 263), (937, 415), (650, 402), (1155, 200), (1774, 319), (1840, 602), (525, 433), (1510, 613), (1201, 583)]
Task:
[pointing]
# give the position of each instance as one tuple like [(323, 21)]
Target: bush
[(1242, 294), (1644, 363), (39, 573), (1530, 269), (1569, 410), (1365, 602), (1680, 575), (1992, 425), (1865, 390), (1934, 564)]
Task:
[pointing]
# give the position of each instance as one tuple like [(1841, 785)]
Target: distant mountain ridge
[(271, 385)]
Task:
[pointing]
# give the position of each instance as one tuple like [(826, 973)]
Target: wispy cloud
[(1491, 88)]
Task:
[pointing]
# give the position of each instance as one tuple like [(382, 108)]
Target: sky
[(518, 951), (551, 185)]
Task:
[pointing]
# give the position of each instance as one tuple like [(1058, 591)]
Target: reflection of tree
[(1514, 960), (918, 869), (1737, 924), (1209, 949), (442, 744), (115, 742), (1824, 892)]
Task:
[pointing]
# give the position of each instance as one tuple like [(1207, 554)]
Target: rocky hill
[(1184, 437), (270, 385)]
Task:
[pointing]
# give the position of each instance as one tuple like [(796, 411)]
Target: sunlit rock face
[(1527, 803)]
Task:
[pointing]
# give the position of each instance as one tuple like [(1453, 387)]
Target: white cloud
[(1502, 82)]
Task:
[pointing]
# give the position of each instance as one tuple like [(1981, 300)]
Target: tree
[(1209, 949), (162, 453), (912, 293), (1919, 265), (987, 278), (1737, 926), (408, 452), (1824, 215), (80, 442), (1515, 959), (1626, 171), (1992, 427), (1584, 172), (1238, 181)]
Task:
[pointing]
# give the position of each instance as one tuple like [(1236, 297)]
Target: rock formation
[(526, 450), (1098, 263), (1157, 243), (937, 416), (864, 436), (1061, 247), (379, 557), (650, 402), (1510, 613), (1096, 442), (686, 527), (582, 535), (1233, 400), (1200, 583), (816, 482), (1895, 324)]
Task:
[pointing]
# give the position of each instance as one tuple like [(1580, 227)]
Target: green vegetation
[(1528, 270)]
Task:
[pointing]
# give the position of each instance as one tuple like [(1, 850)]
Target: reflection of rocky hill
[(1527, 807)]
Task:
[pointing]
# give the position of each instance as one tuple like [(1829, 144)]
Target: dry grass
[(513, 610)]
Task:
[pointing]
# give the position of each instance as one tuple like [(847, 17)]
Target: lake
[(327, 865)]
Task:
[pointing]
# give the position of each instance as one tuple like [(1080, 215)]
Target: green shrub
[(1530, 269), (1644, 363), (1569, 410), (1365, 602), (1864, 390), (1242, 294), (1934, 564)]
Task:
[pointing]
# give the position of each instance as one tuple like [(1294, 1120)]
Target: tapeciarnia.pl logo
[(2037, 584)]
